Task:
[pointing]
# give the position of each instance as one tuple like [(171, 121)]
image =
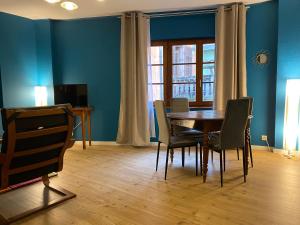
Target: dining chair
[(250, 116), (248, 131), (172, 141), (180, 105), (182, 127), (232, 134)]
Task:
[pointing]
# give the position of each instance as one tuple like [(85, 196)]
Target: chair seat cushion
[(182, 131), (183, 141), (214, 140)]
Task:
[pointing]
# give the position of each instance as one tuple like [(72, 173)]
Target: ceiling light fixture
[(52, 1), (100, 0), (69, 6)]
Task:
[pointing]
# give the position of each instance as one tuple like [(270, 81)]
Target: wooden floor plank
[(119, 185)]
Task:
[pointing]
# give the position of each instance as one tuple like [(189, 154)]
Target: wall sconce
[(292, 116), (41, 95)]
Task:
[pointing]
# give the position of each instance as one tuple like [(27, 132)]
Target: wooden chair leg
[(201, 160), (183, 156), (244, 164), (167, 162), (189, 151), (221, 168), (157, 157), (238, 153), (224, 159), (212, 155), (46, 180), (196, 160)]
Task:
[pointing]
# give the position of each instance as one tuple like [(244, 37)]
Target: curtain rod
[(186, 13)]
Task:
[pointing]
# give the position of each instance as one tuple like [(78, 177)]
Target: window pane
[(209, 52), (185, 90), (157, 55), (184, 53), (158, 92), (157, 74), (184, 73), (209, 72), (208, 92)]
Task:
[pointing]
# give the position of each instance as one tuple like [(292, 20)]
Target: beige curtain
[(231, 75), (134, 115)]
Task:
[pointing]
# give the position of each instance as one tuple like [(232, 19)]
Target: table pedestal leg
[(205, 155)]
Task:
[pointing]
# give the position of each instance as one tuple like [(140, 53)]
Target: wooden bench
[(33, 145)]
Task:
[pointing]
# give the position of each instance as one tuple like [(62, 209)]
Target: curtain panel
[(134, 126), (231, 74)]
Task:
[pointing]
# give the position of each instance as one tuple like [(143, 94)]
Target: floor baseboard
[(98, 143), (108, 143), (262, 147), (113, 143)]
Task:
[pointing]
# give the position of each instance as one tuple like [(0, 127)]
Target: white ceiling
[(39, 9)]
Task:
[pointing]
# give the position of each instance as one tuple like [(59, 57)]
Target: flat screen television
[(75, 94)]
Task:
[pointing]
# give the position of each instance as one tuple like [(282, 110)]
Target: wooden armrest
[(71, 143)]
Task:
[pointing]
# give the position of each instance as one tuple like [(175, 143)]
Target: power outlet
[(264, 137)]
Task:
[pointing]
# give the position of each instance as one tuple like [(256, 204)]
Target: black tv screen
[(75, 94)]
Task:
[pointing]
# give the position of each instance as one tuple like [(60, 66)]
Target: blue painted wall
[(44, 56), (183, 27), (25, 60), (261, 80), (92, 56), (84, 53), (88, 51), (18, 60), (262, 36), (1, 94), (288, 57)]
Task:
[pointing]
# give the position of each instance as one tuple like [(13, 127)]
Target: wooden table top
[(197, 115)]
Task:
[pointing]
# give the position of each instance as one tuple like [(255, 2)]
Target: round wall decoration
[(262, 58)]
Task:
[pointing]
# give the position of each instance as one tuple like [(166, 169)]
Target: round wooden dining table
[(206, 121)]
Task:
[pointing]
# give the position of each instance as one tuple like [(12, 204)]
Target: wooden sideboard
[(85, 114)]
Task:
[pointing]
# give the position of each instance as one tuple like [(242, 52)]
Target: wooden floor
[(119, 185)]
